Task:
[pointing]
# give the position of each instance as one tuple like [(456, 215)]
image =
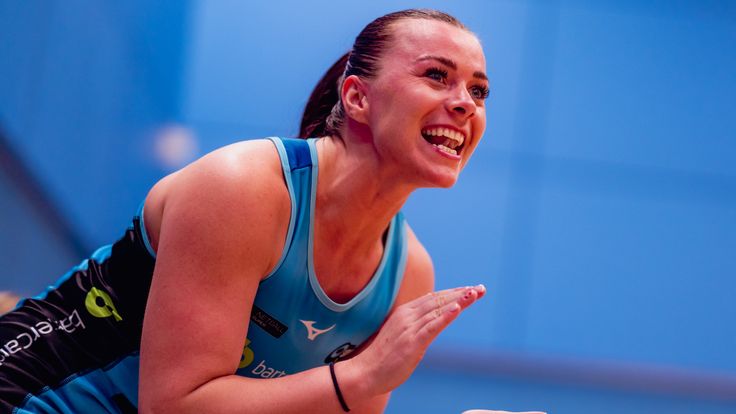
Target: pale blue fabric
[(292, 293)]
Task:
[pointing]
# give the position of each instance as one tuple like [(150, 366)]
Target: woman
[(276, 275)]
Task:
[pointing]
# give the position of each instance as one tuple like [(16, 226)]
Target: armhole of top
[(286, 169), (144, 233), (401, 268)]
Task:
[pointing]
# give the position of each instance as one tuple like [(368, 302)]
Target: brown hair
[(324, 113)]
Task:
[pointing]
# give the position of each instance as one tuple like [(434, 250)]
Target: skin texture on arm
[(216, 236)]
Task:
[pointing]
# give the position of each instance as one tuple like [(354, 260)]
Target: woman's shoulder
[(244, 160), (234, 186), (236, 170)]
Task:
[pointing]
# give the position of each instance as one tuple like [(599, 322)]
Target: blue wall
[(83, 85), (600, 210)]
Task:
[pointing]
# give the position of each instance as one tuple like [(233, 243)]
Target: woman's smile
[(448, 140)]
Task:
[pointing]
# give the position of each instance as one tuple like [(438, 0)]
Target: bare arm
[(221, 229), (217, 238)]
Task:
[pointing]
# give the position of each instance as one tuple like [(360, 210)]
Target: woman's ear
[(354, 99)]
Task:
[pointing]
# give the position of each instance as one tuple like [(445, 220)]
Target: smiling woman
[(275, 275), (423, 78)]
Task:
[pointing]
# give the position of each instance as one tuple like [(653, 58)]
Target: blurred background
[(600, 209)]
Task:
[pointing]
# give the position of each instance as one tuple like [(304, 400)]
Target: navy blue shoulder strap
[(297, 150)]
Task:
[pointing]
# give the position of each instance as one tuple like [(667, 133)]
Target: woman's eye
[(436, 74), (479, 92)]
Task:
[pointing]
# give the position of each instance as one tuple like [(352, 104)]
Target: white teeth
[(445, 149), (456, 136)]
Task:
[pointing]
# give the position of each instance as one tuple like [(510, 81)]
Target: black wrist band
[(337, 388)]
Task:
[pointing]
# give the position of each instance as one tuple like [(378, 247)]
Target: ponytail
[(317, 119)]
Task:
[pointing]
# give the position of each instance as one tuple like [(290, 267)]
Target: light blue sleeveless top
[(294, 325)]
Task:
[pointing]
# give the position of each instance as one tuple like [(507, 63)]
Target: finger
[(481, 289), (461, 304), (452, 307), (431, 296), (460, 296), (439, 299), (431, 325)]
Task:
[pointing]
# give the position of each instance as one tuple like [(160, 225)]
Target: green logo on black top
[(99, 304)]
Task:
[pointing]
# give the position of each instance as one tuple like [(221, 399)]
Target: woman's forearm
[(364, 379), (310, 391)]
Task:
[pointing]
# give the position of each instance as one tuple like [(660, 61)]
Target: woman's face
[(427, 101)]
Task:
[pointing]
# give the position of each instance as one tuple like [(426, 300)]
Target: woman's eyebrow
[(445, 61), (451, 64), (480, 75)]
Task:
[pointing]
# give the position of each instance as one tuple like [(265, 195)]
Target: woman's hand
[(406, 334)]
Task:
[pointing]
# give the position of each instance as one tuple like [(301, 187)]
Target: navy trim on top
[(298, 152)]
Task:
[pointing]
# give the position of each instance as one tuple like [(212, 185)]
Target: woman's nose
[(461, 104)]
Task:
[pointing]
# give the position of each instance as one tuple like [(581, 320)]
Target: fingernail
[(481, 288)]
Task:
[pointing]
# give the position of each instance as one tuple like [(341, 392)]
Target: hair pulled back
[(324, 113)]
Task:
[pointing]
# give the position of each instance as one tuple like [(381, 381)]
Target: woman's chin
[(442, 180)]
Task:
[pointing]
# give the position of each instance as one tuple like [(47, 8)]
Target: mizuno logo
[(313, 332)]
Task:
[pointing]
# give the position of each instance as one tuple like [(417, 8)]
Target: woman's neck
[(356, 196)]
